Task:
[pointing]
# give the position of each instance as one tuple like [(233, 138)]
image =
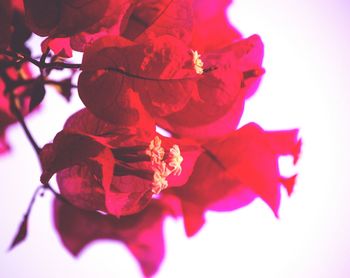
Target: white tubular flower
[(175, 159), (155, 150), (159, 178), (163, 167), (197, 62)]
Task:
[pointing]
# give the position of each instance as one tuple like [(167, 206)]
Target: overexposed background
[(306, 85)]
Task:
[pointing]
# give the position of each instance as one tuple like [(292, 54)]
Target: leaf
[(21, 233), (21, 33), (37, 93), (118, 73), (5, 23), (64, 87)]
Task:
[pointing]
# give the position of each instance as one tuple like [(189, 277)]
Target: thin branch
[(32, 200), (17, 113), (40, 64), (55, 193)]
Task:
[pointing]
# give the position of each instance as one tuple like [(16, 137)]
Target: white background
[(306, 85)]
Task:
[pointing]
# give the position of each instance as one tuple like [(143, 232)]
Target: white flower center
[(163, 168)]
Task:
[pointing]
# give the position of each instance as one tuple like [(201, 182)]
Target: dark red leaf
[(21, 233), (37, 93), (5, 23), (64, 87), (20, 33)]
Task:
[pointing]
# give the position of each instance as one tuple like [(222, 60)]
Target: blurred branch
[(22, 231), (41, 64), (18, 114)]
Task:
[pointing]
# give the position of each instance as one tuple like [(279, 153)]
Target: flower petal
[(235, 169), (142, 233), (160, 17), (207, 22), (118, 73)]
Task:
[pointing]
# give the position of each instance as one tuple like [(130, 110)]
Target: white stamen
[(175, 160), (197, 62), (163, 168)]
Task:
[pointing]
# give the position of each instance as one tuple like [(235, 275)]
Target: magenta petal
[(142, 233)]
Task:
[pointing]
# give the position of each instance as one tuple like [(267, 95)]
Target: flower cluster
[(175, 65)]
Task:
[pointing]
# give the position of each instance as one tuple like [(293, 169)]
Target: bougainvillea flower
[(141, 233), (234, 170), (112, 168), (164, 73), (221, 92), (160, 71)]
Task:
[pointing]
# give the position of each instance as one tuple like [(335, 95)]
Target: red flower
[(235, 169), (116, 71), (77, 24), (149, 63), (185, 96), (228, 174), (112, 168), (218, 107)]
